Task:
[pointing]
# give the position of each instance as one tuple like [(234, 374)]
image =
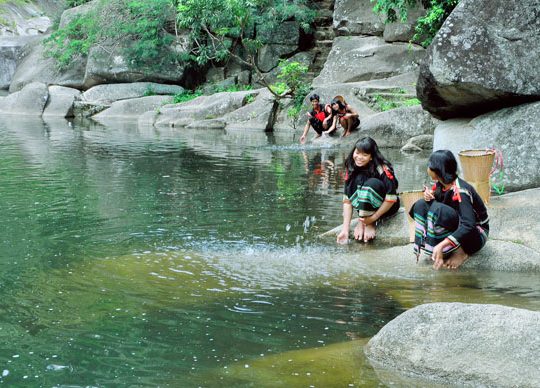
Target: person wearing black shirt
[(451, 222)]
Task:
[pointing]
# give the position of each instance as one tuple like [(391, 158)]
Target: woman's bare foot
[(370, 232), (345, 134), (456, 259), (359, 231)]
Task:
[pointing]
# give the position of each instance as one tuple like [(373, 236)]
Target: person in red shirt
[(319, 118)]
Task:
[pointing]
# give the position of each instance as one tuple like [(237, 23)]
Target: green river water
[(146, 257)]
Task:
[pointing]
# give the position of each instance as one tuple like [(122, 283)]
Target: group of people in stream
[(451, 221)]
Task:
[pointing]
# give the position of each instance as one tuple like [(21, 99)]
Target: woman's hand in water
[(343, 237)]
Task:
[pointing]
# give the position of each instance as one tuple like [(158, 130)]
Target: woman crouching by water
[(370, 188), (451, 222)]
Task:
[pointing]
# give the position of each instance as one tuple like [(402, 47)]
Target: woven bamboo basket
[(476, 166), (408, 198)]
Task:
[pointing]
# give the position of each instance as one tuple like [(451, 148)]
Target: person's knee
[(375, 184)]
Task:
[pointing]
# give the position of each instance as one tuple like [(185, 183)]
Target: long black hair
[(340, 103), (444, 164), (369, 146)]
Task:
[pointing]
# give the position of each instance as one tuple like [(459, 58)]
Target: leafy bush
[(427, 26), (140, 25), (186, 96)]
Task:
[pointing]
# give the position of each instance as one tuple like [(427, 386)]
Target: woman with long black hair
[(370, 188), (451, 222)]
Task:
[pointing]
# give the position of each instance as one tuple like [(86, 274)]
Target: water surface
[(145, 257)]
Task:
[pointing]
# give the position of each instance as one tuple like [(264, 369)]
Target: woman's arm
[(343, 236), (386, 205), (333, 126), (351, 112)]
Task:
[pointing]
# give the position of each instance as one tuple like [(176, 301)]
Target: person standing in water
[(319, 118), (451, 222), (345, 114), (370, 188)]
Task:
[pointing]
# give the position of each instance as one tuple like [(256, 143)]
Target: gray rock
[(409, 147), (356, 58), (356, 17), (418, 143), (29, 101), (60, 101), (482, 63), (202, 108), (34, 67), (404, 32), (108, 93), (11, 49), (269, 55), (257, 115), (513, 131), (392, 128), (461, 344), (23, 19), (305, 58), (107, 64), (132, 108)]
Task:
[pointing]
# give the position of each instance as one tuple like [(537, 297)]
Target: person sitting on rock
[(319, 118), (370, 188), (451, 222), (345, 114)]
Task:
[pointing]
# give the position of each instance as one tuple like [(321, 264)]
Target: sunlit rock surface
[(356, 58), (461, 345)]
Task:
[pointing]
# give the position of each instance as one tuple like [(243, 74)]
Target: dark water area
[(162, 257)]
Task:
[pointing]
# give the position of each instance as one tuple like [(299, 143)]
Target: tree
[(428, 25), (237, 29)]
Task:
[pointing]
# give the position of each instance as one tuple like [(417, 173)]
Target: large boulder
[(202, 108), (461, 345), (356, 17), (513, 131), (11, 50), (280, 42), (60, 103), (394, 127), (257, 115), (35, 67), (108, 64), (108, 93), (132, 108), (29, 101), (481, 59), (357, 58)]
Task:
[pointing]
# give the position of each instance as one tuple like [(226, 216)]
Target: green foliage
[(279, 88), (383, 103), (76, 3), (427, 26), (186, 96), (291, 73), (73, 41), (219, 27), (138, 26)]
